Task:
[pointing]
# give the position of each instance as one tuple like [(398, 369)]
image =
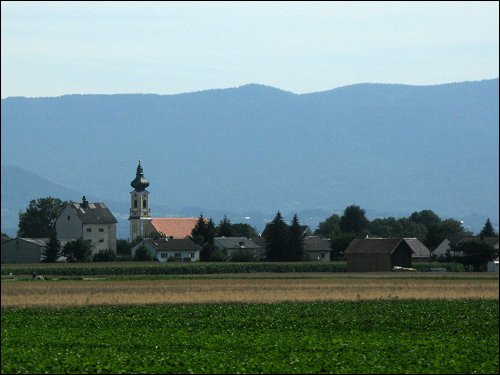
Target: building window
[(163, 255), (101, 240), (69, 218), (101, 229), (178, 256), (89, 229), (191, 255), (144, 203), (135, 203)]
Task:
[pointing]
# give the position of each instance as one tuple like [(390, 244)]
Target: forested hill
[(386, 147)]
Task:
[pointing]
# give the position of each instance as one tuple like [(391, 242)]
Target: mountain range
[(250, 151)]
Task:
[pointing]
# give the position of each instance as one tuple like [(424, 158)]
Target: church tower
[(139, 204)]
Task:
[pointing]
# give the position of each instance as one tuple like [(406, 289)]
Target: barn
[(378, 254)]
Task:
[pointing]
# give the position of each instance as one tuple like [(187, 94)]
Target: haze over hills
[(253, 150)]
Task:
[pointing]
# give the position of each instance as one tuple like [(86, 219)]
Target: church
[(142, 224)]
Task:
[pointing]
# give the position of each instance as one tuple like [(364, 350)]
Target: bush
[(243, 256), (107, 255), (142, 254)]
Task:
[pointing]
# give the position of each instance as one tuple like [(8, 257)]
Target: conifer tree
[(52, 249), (198, 233), (225, 229), (277, 235), (487, 230), (295, 250)]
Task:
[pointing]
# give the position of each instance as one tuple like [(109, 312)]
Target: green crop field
[(412, 336)]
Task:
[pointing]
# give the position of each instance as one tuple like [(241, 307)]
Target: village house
[(316, 249), (445, 248), (170, 249), (88, 221), (235, 247)]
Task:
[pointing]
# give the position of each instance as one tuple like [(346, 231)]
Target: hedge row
[(170, 268)]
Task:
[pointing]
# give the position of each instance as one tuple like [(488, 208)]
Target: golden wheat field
[(241, 290)]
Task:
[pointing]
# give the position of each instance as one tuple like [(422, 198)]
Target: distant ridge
[(386, 147)]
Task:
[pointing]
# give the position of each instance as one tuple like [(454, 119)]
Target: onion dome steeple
[(139, 183)]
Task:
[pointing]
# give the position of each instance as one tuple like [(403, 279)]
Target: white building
[(170, 249), (88, 221)]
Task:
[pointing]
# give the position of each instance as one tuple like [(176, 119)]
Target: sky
[(64, 47)]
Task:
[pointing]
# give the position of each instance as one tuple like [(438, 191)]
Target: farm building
[(166, 249), (420, 251), (378, 254), (25, 250)]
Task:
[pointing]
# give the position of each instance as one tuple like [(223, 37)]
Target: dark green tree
[(354, 221), (488, 230), (244, 230), (106, 255), (476, 254), (339, 244), (425, 217), (276, 236), (52, 249), (329, 228), (385, 227), (208, 251), (410, 228), (225, 229), (199, 232), (123, 247), (142, 254), (437, 232), (295, 248), (78, 250), (39, 219)]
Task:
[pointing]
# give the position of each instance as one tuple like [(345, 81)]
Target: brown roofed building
[(378, 254)]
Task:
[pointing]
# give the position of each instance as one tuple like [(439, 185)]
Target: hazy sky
[(56, 48)]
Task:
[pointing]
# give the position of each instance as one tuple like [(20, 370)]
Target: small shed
[(378, 254)]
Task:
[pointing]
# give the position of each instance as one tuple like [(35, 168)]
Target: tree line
[(284, 241)]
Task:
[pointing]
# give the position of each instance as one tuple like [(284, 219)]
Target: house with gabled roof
[(316, 248), (237, 246), (378, 254), (446, 246), (88, 221), (170, 249)]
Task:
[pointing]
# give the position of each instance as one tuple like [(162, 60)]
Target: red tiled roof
[(175, 227)]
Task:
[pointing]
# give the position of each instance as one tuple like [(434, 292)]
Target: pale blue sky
[(57, 48)]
